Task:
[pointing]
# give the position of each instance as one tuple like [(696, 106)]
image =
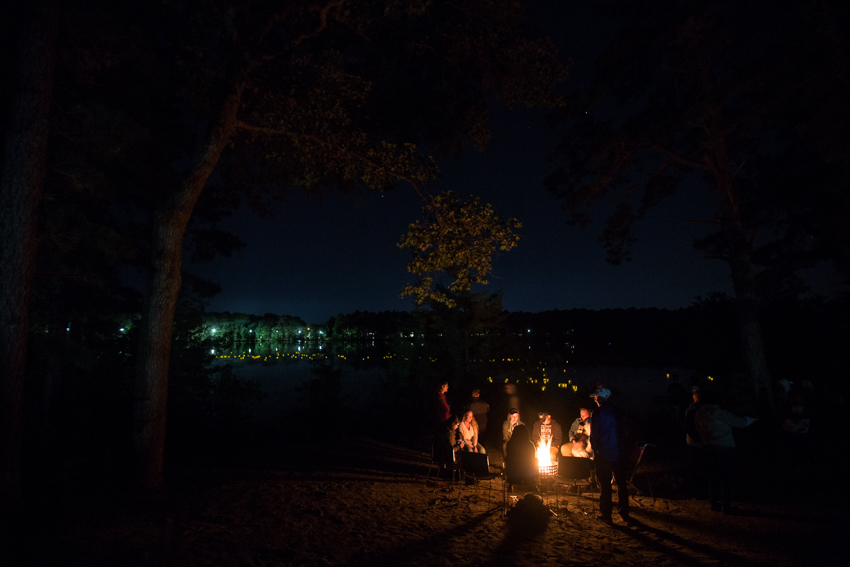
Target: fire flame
[(544, 457)]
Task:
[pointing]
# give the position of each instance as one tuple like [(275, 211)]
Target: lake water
[(282, 369)]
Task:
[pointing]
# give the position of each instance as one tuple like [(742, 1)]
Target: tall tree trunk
[(743, 276), (170, 222), (24, 166), (749, 325)]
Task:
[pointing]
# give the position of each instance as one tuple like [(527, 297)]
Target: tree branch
[(699, 222), (681, 159), (424, 195), (322, 10)]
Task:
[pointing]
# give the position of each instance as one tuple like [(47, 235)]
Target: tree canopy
[(695, 97), (458, 238)]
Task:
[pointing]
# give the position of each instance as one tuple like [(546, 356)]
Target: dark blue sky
[(318, 257)]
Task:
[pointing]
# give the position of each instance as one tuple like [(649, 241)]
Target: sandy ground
[(371, 504)]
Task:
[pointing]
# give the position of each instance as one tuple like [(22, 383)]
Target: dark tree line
[(803, 336)]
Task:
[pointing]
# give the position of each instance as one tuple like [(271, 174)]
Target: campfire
[(545, 465)]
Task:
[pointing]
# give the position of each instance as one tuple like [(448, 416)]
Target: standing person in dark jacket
[(695, 454), (608, 438)]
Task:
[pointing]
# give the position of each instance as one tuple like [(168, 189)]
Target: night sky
[(318, 257)]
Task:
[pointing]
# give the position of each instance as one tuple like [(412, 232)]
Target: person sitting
[(579, 437), (509, 425), (578, 448), (579, 424), (448, 444), (548, 430), (468, 434), (520, 460)]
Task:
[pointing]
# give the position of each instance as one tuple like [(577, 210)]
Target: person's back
[(520, 460), (607, 434)]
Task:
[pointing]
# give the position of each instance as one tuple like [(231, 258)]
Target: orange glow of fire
[(544, 457)]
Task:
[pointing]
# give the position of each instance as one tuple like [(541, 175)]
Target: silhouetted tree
[(695, 96), (24, 163)]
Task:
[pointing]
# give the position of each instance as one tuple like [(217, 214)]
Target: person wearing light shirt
[(714, 425)]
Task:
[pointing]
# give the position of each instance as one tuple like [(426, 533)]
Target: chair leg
[(436, 479), (557, 502)]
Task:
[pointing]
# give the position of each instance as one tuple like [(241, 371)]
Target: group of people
[(599, 434)]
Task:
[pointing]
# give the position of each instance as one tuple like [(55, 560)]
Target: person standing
[(479, 409), (714, 425), (608, 438), (678, 398), (695, 455), (512, 397), (441, 411)]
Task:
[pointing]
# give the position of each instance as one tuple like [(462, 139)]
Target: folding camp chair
[(640, 449), (477, 466), (574, 472), (445, 460)]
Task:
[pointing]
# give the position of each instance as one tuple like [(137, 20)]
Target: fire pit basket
[(550, 470)]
